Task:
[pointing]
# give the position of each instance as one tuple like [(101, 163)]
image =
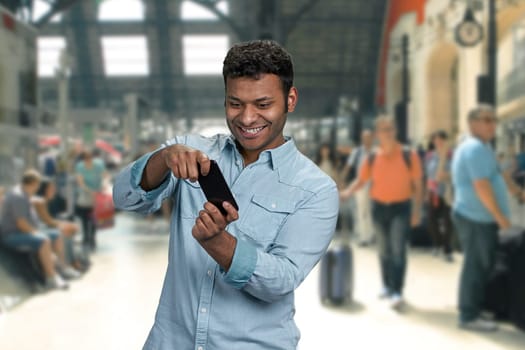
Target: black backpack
[(354, 167)]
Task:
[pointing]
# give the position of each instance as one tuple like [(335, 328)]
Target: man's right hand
[(345, 194), (184, 162), (504, 223)]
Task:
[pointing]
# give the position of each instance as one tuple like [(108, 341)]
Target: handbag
[(104, 210)]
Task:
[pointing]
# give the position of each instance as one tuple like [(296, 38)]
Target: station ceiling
[(334, 43)]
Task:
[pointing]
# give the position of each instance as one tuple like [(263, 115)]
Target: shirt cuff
[(243, 264), (137, 170)]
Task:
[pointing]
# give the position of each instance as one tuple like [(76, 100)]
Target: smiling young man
[(231, 279)]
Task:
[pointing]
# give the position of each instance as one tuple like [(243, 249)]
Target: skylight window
[(204, 54), (191, 11), (49, 49), (125, 55), (40, 8), (121, 10)]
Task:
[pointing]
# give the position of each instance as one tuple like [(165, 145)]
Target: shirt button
[(203, 310), (200, 348), (209, 273), (274, 205)]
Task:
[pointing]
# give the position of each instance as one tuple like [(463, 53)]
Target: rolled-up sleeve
[(303, 239), (128, 195), (243, 264)]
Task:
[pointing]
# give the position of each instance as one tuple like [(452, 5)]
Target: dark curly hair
[(253, 58)]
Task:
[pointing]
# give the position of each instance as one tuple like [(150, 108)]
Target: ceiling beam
[(164, 50), (83, 73)]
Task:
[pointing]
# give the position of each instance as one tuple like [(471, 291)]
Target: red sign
[(8, 21)]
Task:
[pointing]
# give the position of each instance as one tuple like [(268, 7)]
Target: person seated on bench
[(19, 222), (44, 196)]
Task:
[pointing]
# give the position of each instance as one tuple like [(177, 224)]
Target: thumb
[(204, 162)]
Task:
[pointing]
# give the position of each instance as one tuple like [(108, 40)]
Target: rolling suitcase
[(515, 248), (336, 280), (505, 291)]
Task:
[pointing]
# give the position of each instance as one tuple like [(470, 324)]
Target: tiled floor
[(112, 307)]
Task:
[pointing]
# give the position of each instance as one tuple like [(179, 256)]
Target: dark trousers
[(479, 242), (392, 224), (440, 224), (88, 225)]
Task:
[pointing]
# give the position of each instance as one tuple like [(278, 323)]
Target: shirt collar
[(276, 156)]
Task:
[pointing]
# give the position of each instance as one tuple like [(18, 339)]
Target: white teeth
[(252, 131)]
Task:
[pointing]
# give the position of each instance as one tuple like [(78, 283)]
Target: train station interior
[(111, 84)]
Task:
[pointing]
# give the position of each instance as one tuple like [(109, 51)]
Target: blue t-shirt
[(474, 160), (93, 176), (431, 168)]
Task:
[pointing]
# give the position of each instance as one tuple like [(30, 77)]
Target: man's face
[(32, 189), (367, 138), (484, 126), (439, 142), (256, 112), (386, 132)]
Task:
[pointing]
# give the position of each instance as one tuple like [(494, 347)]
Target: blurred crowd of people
[(450, 193), (45, 212), (398, 192)]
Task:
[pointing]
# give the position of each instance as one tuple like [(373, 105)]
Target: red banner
[(396, 9)]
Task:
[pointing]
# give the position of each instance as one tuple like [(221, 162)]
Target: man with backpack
[(362, 212), (396, 191)]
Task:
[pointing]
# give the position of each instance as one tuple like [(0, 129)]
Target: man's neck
[(479, 137), (250, 157), (389, 147)]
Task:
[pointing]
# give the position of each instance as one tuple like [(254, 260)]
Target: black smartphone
[(216, 189)]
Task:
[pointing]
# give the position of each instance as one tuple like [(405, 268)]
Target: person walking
[(90, 176), (439, 194), (396, 190), (362, 212)]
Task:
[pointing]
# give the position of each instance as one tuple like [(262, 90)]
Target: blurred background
[(121, 76)]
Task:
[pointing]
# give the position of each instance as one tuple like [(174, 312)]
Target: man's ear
[(292, 97)]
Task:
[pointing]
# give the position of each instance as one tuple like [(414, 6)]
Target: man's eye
[(235, 105), (264, 105)]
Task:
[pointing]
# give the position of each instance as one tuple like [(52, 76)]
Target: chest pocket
[(264, 216), (191, 199)]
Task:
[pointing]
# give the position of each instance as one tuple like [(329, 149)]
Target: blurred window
[(519, 43), (204, 54), (49, 49), (125, 55), (40, 8), (192, 11), (121, 10)]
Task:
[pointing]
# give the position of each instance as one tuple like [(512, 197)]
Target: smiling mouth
[(252, 131)]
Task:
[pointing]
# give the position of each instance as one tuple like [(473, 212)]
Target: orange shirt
[(390, 175)]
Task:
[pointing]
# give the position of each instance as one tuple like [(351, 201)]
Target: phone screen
[(216, 189)]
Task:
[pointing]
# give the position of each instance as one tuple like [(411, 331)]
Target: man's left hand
[(211, 223), (415, 219)]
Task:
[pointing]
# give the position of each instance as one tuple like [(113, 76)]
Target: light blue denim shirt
[(287, 214)]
